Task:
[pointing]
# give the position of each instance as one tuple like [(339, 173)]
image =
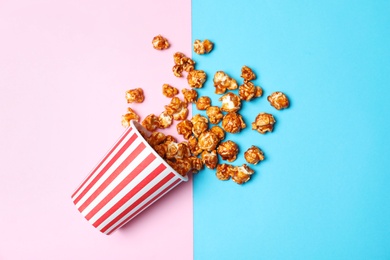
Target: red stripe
[(108, 165), (172, 185), (134, 173), (113, 175), (104, 159), (131, 193)]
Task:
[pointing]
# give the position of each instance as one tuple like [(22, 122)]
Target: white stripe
[(146, 171), (122, 175), (109, 171), (105, 162), (115, 225)]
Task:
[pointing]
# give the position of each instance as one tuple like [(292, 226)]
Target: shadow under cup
[(129, 178)]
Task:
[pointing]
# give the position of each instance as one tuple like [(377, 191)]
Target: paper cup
[(129, 178)]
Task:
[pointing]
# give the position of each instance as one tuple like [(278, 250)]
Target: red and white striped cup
[(130, 178)]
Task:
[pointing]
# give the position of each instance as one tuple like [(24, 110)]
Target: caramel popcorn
[(184, 128), (247, 91), (181, 114), (200, 124), (164, 120), (218, 131), (222, 81), (233, 123), (254, 155), (171, 150), (224, 171), (196, 78), (182, 62), (264, 122), (242, 174), (169, 91), (135, 95), (210, 159), (188, 64), (203, 103), (161, 149), (215, 114), (196, 163), (182, 166), (160, 43), (247, 73), (170, 138), (130, 115), (278, 100), (150, 122), (208, 141), (193, 145), (177, 58), (177, 70), (203, 47), (174, 106), (228, 151), (156, 138), (190, 95), (182, 151), (230, 102)]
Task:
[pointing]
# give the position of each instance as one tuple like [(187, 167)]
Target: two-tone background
[(323, 190)]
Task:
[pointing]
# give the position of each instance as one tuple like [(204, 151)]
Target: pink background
[(64, 69)]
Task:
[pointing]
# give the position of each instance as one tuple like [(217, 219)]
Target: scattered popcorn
[(228, 151), (156, 138), (254, 155), (164, 120), (210, 159), (214, 114), (160, 43), (196, 163), (222, 81), (196, 78), (202, 47), (200, 124), (278, 100), (247, 73), (130, 115), (174, 106), (177, 58), (224, 171), (182, 166), (242, 174), (230, 102), (264, 122), (193, 145), (177, 70), (247, 91), (233, 123), (182, 151), (150, 122), (181, 114), (208, 141), (218, 131), (182, 62), (135, 95), (161, 149), (184, 128), (169, 91), (190, 95), (203, 103)]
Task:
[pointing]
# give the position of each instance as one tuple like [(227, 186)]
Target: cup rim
[(136, 126)]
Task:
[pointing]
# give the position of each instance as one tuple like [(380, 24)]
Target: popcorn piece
[(230, 102), (210, 159), (247, 91), (156, 138), (203, 103), (254, 155), (184, 128), (135, 95), (130, 115), (172, 148), (182, 166), (228, 151), (278, 100), (233, 123), (200, 124), (177, 58), (196, 78), (193, 145), (247, 73), (177, 70), (182, 151), (188, 64), (242, 174), (208, 141), (224, 171), (169, 91), (174, 106), (161, 149), (160, 43), (190, 95), (164, 120), (196, 163), (264, 122), (203, 47), (215, 114), (150, 122), (222, 81), (170, 138), (218, 131), (181, 114)]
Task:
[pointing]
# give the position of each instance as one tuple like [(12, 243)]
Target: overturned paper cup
[(129, 178)]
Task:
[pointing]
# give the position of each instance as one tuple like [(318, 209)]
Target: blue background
[(323, 191)]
